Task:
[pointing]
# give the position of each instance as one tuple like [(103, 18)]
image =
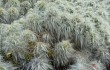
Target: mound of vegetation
[(54, 35)]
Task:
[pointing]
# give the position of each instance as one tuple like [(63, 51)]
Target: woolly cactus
[(3, 16), (28, 36), (12, 3), (40, 5), (41, 49), (13, 14), (14, 48), (14, 28), (3, 33), (39, 64), (34, 22), (25, 6), (63, 52)]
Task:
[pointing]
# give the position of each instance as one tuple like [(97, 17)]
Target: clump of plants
[(54, 35)]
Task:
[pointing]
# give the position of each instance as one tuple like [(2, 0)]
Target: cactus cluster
[(54, 35)]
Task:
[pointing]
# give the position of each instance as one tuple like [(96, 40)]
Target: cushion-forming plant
[(54, 35)]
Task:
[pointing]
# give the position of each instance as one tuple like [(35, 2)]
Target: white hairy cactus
[(28, 36), (41, 49), (12, 3), (13, 14), (14, 28), (40, 5), (25, 6), (39, 64), (34, 22), (14, 47), (63, 52), (4, 29), (3, 16), (32, 2)]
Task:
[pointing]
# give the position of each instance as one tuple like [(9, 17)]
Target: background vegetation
[(54, 35)]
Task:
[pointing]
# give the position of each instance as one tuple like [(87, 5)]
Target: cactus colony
[(54, 35)]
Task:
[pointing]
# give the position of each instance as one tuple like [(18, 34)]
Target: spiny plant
[(25, 6), (40, 5), (13, 14), (34, 22), (14, 29), (12, 3), (41, 49), (39, 64), (63, 53), (28, 36), (3, 15), (3, 31), (14, 48)]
